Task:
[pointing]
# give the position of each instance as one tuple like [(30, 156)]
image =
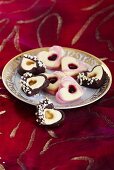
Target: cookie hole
[(52, 80), (29, 63), (52, 57), (32, 82), (48, 115), (92, 75), (72, 66), (72, 89)]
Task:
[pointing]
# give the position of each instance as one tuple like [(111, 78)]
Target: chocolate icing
[(93, 81), (27, 89), (40, 109), (40, 67)]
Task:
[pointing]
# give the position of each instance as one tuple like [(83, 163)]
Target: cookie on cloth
[(47, 115)]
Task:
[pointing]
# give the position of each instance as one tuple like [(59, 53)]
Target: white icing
[(56, 117), (98, 71), (27, 67), (40, 81)]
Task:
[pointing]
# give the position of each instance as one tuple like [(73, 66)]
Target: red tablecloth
[(86, 139)]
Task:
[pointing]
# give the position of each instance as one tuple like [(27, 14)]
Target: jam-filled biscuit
[(94, 78), (68, 91), (31, 64), (54, 81), (47, 115), (71, 67), (52, 57), (31, 84)]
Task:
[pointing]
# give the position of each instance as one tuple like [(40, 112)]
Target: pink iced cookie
[(52, 57), (54, 81), (68, 91), (71, 67)]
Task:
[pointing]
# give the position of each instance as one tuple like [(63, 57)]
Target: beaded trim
[(41, 108), (83, 79), (35, 59), (24, 85)]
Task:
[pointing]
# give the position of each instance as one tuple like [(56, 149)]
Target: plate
[(11, 80)]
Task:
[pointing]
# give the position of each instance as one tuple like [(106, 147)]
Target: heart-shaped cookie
[(47, 115), (31, 84), (51, 58), (54, 81), (94, 78), (30, 64), (71, 67), (68, 91)]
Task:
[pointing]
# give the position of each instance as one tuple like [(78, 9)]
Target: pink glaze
[(52, 57), (58, 50), (71, 67), (64, 95)]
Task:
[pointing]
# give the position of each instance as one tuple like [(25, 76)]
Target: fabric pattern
[(85, 141)]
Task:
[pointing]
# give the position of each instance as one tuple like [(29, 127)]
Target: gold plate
[(11, 80)]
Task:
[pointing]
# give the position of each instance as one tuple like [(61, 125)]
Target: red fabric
[(86, 139)]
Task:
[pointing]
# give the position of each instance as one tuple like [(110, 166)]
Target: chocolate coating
[(94, 81), (27, 87), (46, 105), (37, 68)]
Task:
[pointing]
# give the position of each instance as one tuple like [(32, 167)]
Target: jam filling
[(52, 57), (72, 89), (72, 66), (52, 80)]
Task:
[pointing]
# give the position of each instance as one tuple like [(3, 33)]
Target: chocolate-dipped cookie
[(94, 78), (47, 115), (31, 64), (31, 84)]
